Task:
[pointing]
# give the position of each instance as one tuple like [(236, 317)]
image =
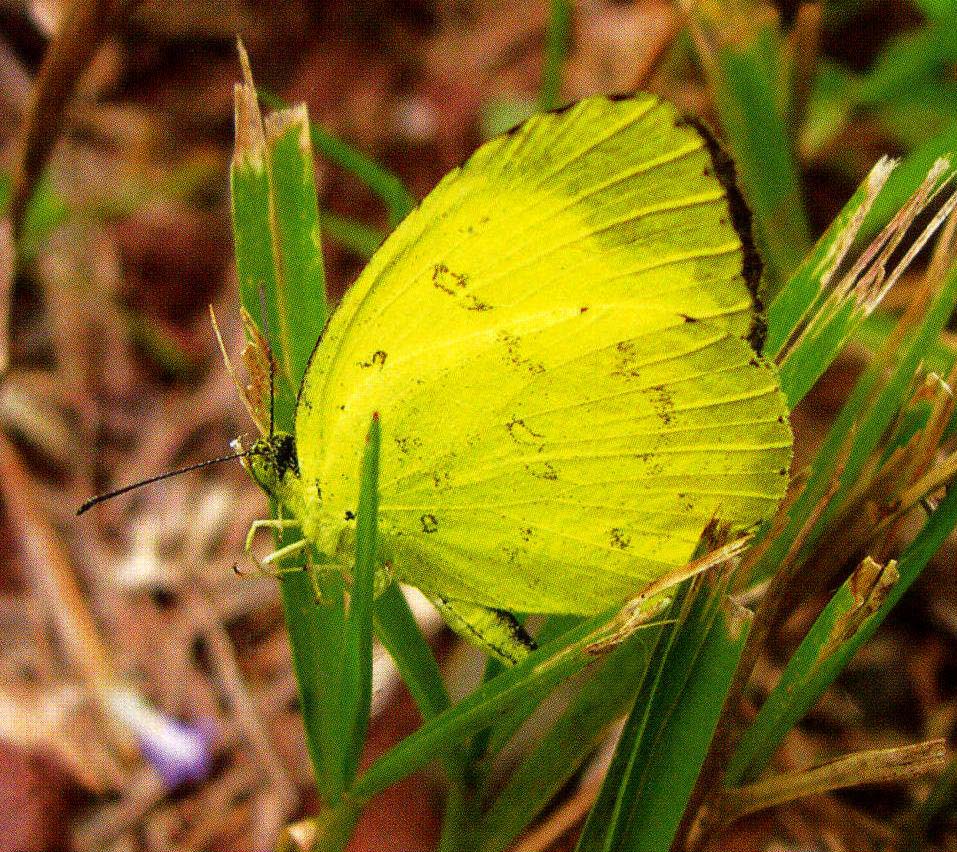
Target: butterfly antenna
[(89, 504), (230, 368)]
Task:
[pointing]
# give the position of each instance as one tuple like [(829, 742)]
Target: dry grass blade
[(641, 609), (870, 584), (728, 731), (86, 23), (6, 285), (869, 279), (261, 368), (878, 766), (250, 147), (55, 585)]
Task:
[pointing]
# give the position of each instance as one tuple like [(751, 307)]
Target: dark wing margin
[(742, 221)]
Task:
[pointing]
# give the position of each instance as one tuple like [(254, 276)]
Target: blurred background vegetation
[(111, 374)]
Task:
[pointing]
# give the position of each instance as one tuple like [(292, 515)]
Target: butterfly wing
[(559, 344)]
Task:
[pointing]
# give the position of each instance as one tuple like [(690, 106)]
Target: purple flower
[(178, 751)]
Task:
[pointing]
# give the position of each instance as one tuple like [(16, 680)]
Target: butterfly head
[(272, 462)]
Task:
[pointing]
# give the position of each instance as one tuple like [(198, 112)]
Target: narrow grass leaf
[(400, 635), (556, 48), (934, 808), (836, 313), (315, 631), (397, 199), (356, 689), (908, 175), (355, 236), (535, 676), (860, 426), (875, 766), (667, 735), (572, 738), (878, 396), (808, 285), (905, 62), (301, 280), (819, 659), (744, 84)]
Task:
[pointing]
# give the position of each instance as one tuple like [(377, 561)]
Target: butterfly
[(562, 344)]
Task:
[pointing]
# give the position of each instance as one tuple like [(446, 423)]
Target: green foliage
[(745, 89), (674, 676), (666, 737)]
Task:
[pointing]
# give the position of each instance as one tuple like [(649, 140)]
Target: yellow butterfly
[(562, 343)]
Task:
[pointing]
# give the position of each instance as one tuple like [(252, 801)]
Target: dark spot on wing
[(430, 523), (521, 433), (513, 353), (457, 284), (688, 318), (628, 360), (662, 402), (377, 360), (543, 470), (407, 443), (350, 515), (619, 539)]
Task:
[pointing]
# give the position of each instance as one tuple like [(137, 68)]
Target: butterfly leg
[(494, 630), (277, 524), (269, 564), (633, 616)]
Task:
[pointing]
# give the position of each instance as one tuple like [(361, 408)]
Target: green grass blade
[(556, 48), (878, 397), (46, 210), (908, 175), (819, 659), (808, 285), (400, 635), (936, 806), (357, 237), (744, 83), (390, 189), (252, 223), (553, 761), (315, 632), (356, 688), (535, 676), (494, 738), (839, 309), (667, 735), (301, 280), (877, 329), (905, 62)]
